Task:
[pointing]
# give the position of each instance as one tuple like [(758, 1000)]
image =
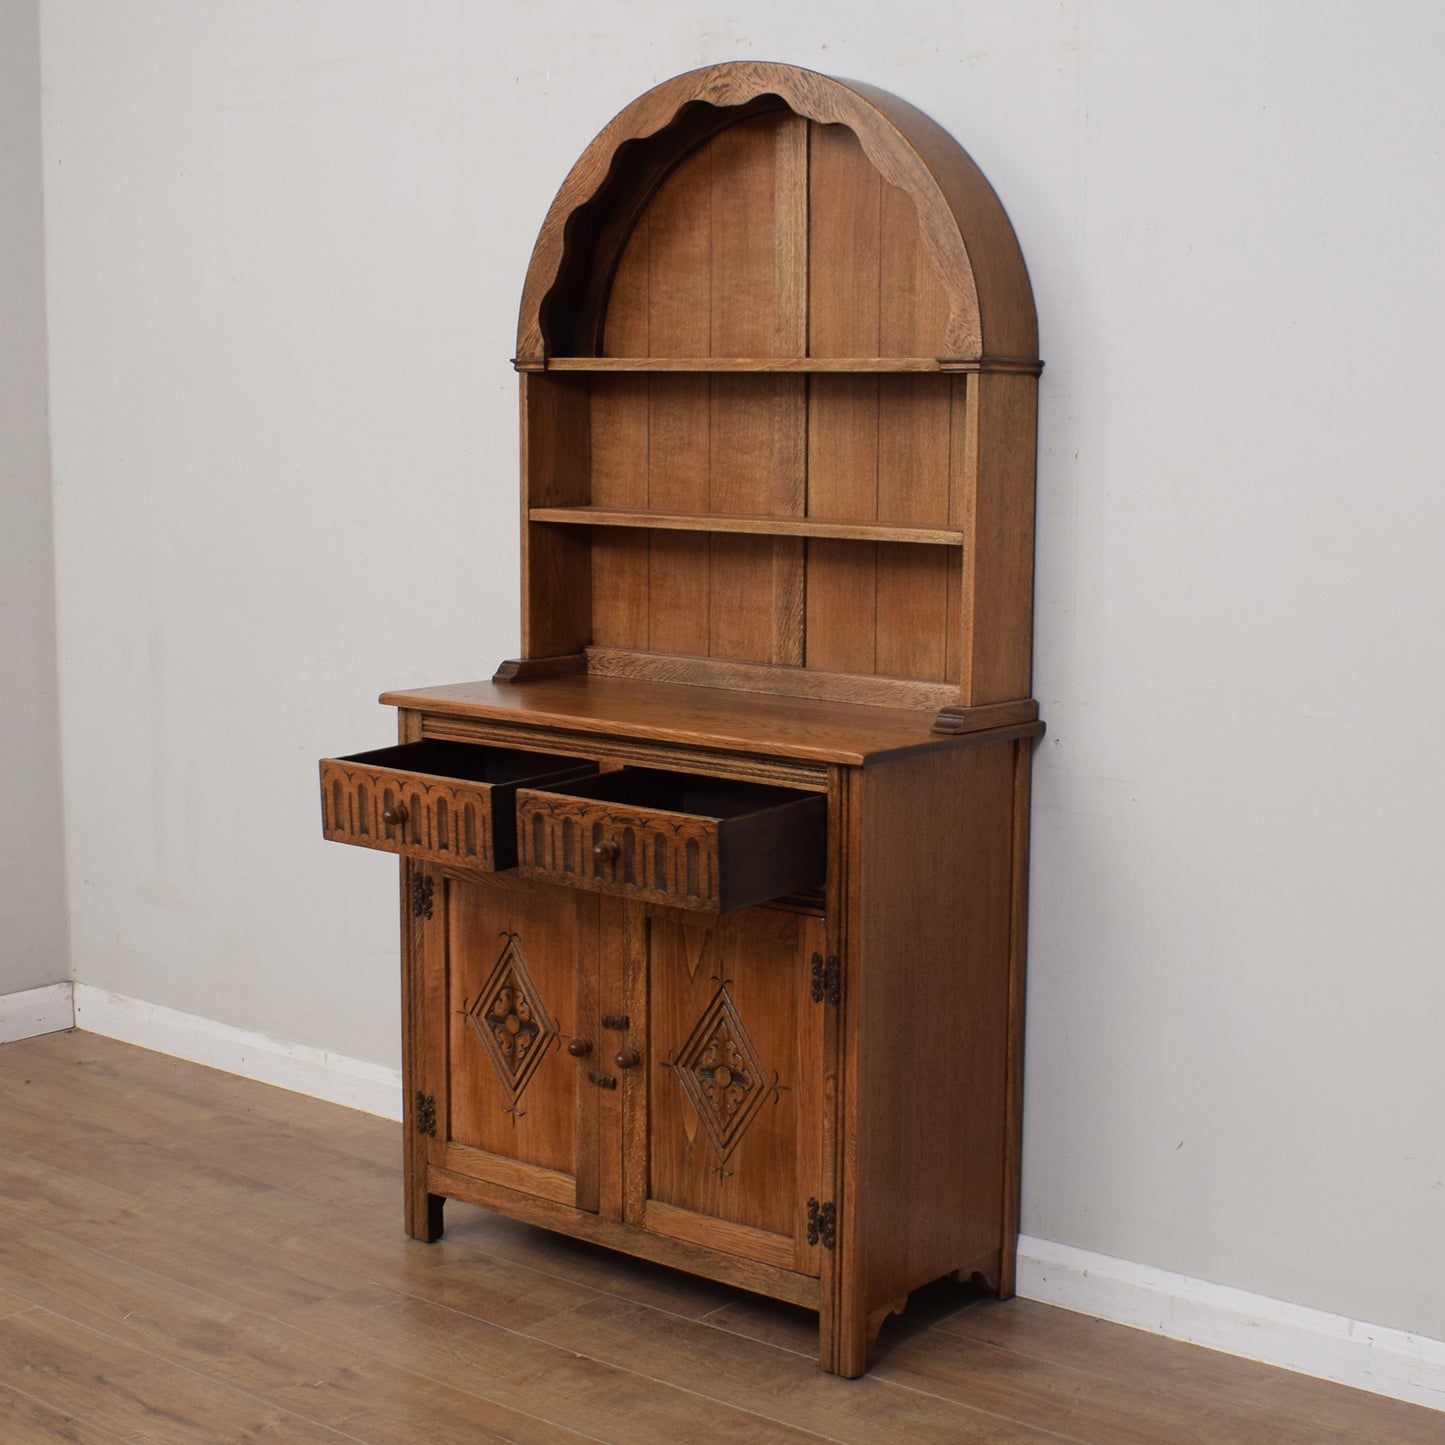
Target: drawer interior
[(690, 793), (471, 762)]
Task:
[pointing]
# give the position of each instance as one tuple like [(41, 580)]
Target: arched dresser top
[(963, 228)]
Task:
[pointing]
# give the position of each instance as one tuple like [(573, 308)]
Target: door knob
[(627, 1058), (394, 815), (580, 1048), (606, 851)]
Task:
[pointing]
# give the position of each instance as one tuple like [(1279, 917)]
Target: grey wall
[(286, 243), (33, 947)]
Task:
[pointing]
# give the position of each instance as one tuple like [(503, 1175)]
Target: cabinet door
[(501, 1005), (726, 1147)]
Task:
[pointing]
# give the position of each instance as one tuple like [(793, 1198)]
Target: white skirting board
[(1312, 1342), (33, 1011), (337, 1078)]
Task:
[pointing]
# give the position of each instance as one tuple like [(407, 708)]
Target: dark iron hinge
[(426, 1114), (827, 978), (422, 889), (822, 1224)]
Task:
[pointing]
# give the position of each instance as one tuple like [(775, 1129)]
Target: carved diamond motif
[(721, 1074), (512, 1021)]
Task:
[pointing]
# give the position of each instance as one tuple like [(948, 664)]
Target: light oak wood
[(779, 307), (593, 516), (725, 364), (761, 724), (777, 681), (751, 1001)]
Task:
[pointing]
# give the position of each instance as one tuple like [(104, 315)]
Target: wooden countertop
[(706, 717)]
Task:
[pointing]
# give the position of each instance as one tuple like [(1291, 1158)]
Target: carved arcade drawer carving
[(450, 802), (710, 844)]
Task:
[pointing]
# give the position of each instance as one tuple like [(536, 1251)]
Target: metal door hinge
[(426, 1114), (422, 889), (822, 1224), (827, 978), (603, 1081)]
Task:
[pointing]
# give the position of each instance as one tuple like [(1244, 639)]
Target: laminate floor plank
[(11, 1304), (1192, 1373), (527, 1374), (605, 1270), (1086, 1405), (786, 1387), (155, 1174), (190, 1256), (344, 1389), (790, 1327), (230, 1264), (267, 1154), (24, 1421), (111, 1386), (34, 1193), (109, 1073), (289, 1278), (79, 1079)]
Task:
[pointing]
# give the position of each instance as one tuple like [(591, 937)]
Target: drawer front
[(662, 858), (449, 822), (592, 834), (409, 799)]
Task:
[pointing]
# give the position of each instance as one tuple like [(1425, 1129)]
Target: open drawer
[(452, 802), (711, 844)]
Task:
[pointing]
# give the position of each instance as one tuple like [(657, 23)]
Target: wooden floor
[(188, 1256)]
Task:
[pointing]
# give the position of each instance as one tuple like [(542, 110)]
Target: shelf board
[(743, 363), (758, 526)]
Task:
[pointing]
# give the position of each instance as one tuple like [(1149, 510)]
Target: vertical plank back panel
[(912, 607), (679, 420), (842, 619), (556, 561), (625, 328), (757, 463), (914, 416), (619, 448), (912, 302), (845, 217)]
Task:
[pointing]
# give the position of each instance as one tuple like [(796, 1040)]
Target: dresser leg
[(424, 1216), (844, 1350)]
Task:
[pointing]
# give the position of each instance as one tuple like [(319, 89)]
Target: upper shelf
[(863, 364), (756, 525)]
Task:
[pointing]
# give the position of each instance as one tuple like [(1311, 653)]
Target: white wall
[(286, 245), (32, 878)]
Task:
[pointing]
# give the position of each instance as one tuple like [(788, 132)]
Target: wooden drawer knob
[(627, 1058), (580, 1048), (606, 852), (395, 815)]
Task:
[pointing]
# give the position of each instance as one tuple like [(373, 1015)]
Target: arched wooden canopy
[(964, 232)]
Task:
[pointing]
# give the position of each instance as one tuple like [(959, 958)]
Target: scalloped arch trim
[(963, 228)]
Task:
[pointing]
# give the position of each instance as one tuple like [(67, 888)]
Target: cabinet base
[(844, 1343)]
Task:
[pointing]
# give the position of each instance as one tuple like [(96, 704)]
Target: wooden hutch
[(713, 901)]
